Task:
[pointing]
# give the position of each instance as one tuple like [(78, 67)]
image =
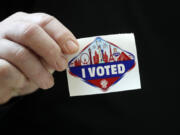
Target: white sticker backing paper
[(104, 64)]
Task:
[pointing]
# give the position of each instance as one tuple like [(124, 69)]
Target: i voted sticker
[(101, 64)]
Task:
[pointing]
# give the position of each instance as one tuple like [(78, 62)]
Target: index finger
[(34, 37), (61, 34)]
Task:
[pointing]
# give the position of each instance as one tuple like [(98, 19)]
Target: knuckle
[(41, 13), (46, 19), (21, 55), (62, 37), (19, 13), (29, 30), (16, 16), (4, 69), (53, 50), (44, 15)]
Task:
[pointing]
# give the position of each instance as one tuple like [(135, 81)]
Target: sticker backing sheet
[(104, 64)]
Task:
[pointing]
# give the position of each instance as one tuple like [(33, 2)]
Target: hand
[(32, 47)]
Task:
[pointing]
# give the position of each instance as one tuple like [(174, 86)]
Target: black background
[(150, 110)]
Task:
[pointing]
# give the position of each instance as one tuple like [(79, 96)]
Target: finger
[(63, 36), (13, 83), (28, 88), (47, 66), (5, 95), (26, 62), (10, 77), (58, 32), (34, 37)]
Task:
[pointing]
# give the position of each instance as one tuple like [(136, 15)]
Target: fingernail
[(71, 46), (61, 64)]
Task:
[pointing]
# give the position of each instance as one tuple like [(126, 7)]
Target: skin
[(32, 47)]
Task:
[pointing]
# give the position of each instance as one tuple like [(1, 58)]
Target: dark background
[(150, 110)]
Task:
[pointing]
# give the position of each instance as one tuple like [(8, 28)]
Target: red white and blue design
[(101, 64)]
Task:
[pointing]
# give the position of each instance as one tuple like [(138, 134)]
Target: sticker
[(104, 64)]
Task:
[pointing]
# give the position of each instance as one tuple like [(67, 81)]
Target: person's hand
[(32, 47)]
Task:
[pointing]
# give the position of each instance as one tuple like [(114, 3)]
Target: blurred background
[(149, 110)]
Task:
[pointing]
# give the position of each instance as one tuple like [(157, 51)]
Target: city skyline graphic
[(100, 51)]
